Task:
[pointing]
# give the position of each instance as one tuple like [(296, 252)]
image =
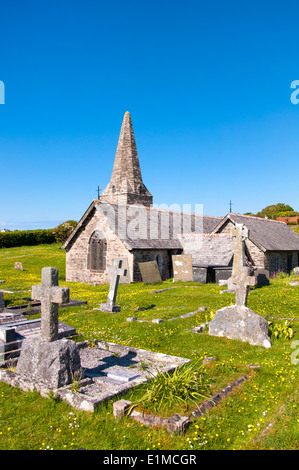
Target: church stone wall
[(257, 256), (142, 256), (77, 253), (278, 261)]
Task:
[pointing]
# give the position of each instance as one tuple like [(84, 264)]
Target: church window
[(159, 260), (97, 251)]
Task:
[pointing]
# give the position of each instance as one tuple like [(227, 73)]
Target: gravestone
[(243, 282), (150, 272), (50, 295), (238, 321), (46, 359), (200, 274), (19, 266), (2, 303), (296, 271), (116, 273), (182, 268), (125, 278), (240, 232)]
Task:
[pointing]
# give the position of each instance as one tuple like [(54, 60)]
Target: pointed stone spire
[(126, 185)]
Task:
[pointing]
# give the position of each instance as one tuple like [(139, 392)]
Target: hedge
[(26, 237)]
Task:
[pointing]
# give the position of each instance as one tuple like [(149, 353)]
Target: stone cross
[(50, 295), (241, 233), (116, 272), (243, 282)]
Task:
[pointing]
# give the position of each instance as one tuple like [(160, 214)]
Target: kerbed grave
[(81, 375), (109, 370)]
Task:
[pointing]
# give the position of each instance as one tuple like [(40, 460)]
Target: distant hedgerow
[(26, 238)]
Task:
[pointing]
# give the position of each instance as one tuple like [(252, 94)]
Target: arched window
[(159, 260), (97, 250)]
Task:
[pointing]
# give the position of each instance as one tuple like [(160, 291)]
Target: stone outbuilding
[(271, 245)]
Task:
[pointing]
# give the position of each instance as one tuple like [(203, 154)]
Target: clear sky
[(207, 84)]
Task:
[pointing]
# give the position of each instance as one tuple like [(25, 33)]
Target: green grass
[(268, 400)]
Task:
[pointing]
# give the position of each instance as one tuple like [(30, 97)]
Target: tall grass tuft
[(185, 386)]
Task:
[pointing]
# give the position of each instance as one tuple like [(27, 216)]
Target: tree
[(272, 211), (63, 231)]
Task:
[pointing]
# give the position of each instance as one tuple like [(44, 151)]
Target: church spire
[(126, 185)]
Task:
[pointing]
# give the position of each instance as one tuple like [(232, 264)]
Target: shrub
[(63, 231), (26, 238)]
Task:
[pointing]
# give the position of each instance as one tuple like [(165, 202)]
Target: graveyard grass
[(262, 413)]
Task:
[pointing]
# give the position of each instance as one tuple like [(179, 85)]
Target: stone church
[(124, 224)]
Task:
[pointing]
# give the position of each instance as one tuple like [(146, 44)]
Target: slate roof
[(209, 250), (267, 234), (146, 227)]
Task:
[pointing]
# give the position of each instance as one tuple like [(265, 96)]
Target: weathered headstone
[(240, 232), (19, 266), (200, 274), (50, 295), (54, 364), (238, 321), (296, 271), (182, 268), (125, 278), (47, 360), (150, 272), (243, 282), (116, 273)]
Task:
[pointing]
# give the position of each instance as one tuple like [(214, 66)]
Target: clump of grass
[(185, 386)]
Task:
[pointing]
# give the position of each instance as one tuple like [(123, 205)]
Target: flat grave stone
[(121, 373), (35, 307)]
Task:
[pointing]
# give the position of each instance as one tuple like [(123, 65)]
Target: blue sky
[(208, 86)]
